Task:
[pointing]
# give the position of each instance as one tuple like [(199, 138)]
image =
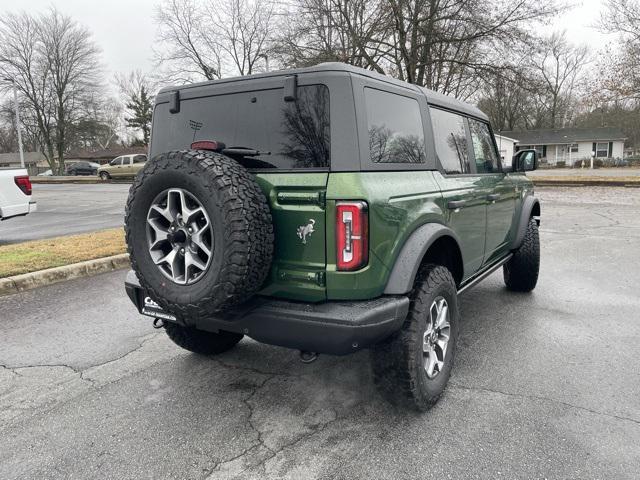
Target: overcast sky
[(124, 29)]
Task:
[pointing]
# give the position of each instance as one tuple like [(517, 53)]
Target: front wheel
[(521, 272), (413, 366), (104, 176), (199, 341)]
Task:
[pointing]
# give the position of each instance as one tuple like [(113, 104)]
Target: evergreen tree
[(140, 106)]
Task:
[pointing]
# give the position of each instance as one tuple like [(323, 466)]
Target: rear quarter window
[(394, 124), (450, 139), (288, 135)]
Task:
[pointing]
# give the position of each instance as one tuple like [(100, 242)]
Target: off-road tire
[(398, 362), (521, 272), (242, 231), (199, 341), (105, 177)]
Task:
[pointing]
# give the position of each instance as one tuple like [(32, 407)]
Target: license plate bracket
[(151, 309)]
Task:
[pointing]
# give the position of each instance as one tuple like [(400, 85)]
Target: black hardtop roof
[(433, 98)]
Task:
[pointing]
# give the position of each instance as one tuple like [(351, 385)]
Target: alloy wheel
[(436, 337), (179, 236)]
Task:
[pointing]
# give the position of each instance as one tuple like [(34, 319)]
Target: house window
[(573, 148), (602, 150), (541, 150)]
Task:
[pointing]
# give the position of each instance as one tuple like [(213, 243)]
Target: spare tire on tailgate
[(199, 232)]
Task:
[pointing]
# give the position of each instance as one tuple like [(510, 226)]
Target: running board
[(484, 274)]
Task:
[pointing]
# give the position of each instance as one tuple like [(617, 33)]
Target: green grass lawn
[(54, 252)]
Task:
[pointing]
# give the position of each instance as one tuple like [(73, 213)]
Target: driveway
[(545, 385), (65, 209)]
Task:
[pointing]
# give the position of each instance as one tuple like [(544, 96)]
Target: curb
[(41, 278), (76, 180), (585, 182)]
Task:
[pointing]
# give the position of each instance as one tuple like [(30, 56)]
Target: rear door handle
[(453, 204), (493, 197)]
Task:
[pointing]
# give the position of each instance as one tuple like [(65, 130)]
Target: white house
[(570, 145), (506, 147)]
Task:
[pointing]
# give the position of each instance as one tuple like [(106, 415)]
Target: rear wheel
[(521, 272), (199, 341), (414, 365)]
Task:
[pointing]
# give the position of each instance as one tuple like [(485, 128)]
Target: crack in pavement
[(77, 370), (260, 441), (546, 399)]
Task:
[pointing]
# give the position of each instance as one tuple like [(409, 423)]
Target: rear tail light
[(23, 184), (352, 232)]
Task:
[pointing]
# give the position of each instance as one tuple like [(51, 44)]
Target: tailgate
[(297, 203)]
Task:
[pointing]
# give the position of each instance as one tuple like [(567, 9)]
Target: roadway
[(545, 385)]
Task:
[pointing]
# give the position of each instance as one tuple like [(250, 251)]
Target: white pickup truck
[(15, 193)]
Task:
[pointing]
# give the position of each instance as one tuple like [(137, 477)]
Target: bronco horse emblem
[(306, 230)]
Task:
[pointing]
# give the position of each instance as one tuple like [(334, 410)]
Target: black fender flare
[(405, 268), (528, 205)]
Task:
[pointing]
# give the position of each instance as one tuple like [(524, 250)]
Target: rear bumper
[(18, 210), (336, 328)]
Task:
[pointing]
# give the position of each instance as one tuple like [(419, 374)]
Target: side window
[(127, 160), (116, 161), (395, 128), (139, 159), (483, 147), (450, 139)]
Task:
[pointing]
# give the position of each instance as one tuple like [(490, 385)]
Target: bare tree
[(445, 45), (620, 79), (54, 65), (559, 65), (244, 28), (213, 38)]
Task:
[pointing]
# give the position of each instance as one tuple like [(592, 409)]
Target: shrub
[(561, 164)]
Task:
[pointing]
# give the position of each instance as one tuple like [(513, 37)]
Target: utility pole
[(15, 104)]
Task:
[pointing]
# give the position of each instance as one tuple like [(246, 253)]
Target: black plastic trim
[(405, 268), (525, 214), (337, 328)]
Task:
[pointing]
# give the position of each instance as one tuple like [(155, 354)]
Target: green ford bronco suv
[(326, 209)]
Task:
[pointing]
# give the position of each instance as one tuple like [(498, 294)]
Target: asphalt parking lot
[(66, 209), (546, 385)]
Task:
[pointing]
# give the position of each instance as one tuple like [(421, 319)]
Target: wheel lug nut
[(182, 250)]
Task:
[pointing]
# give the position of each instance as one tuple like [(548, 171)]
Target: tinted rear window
[(450, 137), (395, 128), (288, 135)]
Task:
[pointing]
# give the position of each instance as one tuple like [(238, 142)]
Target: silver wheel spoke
[(164, 212), (199, 242), (192, 260), (442, 344), (431, 364), (160, 232), (175, 202), (443, 317), (190, 216)]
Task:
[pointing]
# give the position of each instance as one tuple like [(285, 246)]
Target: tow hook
[(158, 323), (308, 357)]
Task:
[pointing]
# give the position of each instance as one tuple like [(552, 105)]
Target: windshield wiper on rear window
[(243, 156)]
